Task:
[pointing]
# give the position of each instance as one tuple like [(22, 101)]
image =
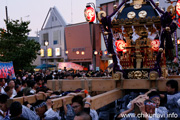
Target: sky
[(36, 11)]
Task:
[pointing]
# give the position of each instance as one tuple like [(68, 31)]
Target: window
[(55, 42), (52, 18), (45, 38), (55, 37)]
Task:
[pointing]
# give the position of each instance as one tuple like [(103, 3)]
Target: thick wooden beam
[(101, 100), (173, 76), (110, 84), (160, 83), (89, 84), (103, 85), (135, 84), (18, 99), (58, 102), (31, 99), (113, 87)]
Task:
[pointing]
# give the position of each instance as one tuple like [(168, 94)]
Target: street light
[(77, 52), (95, 52), (46, 44), (82, 52), (66, 52)]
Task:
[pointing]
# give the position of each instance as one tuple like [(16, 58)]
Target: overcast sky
[(35, 11)]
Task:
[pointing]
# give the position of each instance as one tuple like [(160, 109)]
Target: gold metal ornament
[(115, 6), (171, 9), (101, 14), (118, 76), (157, 3), (131, 15), (137, 6), (142, 14), (105, 33), (138, 75), (110, 55), (160, 50), (131, 75), (145, 74), (153, 75), (168, 29)]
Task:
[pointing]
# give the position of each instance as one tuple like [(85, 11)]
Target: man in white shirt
[(11, 84), (2, 84)]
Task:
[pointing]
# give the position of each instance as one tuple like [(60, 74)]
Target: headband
[(150, 103), (40, 105), (154, 96)]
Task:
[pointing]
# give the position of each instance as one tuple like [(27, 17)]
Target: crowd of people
[(149, 105)]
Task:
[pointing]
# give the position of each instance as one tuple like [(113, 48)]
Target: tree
[(15, 45)]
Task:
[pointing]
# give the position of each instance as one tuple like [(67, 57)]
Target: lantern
[(178, 42), (178, 7), (120, 44), (155, 44), (89, 14), (105, 52)]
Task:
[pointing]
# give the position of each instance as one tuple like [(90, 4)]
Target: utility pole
[(91, 25), (89, 14), (6, 13)]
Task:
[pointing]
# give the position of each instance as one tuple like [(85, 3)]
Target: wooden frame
[(112, 90)]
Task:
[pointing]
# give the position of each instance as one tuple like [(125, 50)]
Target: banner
[(7, 70)]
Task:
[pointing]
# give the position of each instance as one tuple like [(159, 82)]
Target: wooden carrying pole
[(58, 102), (31, 99), (101, 100), (97, 101)]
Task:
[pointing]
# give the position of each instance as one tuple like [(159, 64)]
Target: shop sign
[(49, 52), (57, 53), (42, 52)]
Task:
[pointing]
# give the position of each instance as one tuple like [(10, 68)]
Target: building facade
[(52, 33), (82, 40)]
